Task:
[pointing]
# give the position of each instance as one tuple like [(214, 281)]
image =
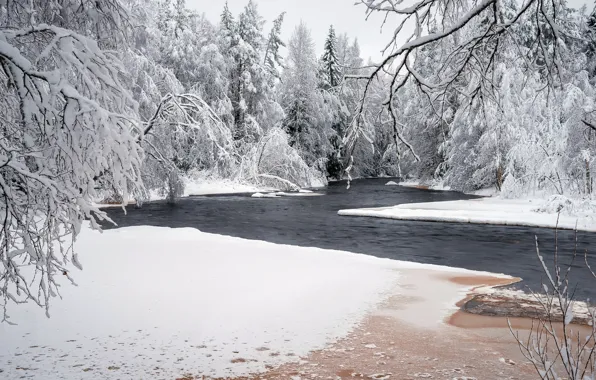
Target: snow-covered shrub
[(272, 162), (568, 206), (183, 135)]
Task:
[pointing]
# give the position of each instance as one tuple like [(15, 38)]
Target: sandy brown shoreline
[(408, 337)]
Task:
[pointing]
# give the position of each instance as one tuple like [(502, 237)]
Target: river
[(313, 222)]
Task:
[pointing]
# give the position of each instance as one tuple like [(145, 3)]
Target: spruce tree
[(227, 21), (331, 69), (181, 17), (273, 61), (591, 42)]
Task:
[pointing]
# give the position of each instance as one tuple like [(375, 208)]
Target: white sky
[(318, 15)]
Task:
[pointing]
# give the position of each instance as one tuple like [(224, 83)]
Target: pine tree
[(331, 69), (250, 26), (173, 18), (165, 16), (354, 59), (227, 23), (302, 100), (273, 61), (250, 91), (181, 17), (591, 42)]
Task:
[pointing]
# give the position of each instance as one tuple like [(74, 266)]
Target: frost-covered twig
[(471, 37), (67, 119), (554, 346)]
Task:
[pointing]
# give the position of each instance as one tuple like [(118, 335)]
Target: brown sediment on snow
[(489, 306), (406, 338), (492, 281), (521, 325), (383, 347), (493, 309), (515, 304), (475, 282)]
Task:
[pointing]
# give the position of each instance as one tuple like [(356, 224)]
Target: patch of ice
[(438, 186), (161, 303), (264, 195), (298, 194), (480, 211), (181, 300)]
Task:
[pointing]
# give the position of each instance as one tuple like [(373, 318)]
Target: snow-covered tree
[(471, 39), (488, 93), (68, 126), (254, 107), (330, 68), (301, 99), (273, 60)]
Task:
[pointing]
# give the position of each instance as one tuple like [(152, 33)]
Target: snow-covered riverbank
[(160, 303), (219, 186), (481, 211)]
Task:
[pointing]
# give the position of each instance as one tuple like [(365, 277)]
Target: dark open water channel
[(313, 222)]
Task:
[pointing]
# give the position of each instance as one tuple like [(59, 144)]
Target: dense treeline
[(494, 94), (278, 113), (126, 97), (122, 98)]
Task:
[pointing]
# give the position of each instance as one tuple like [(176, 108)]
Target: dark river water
[(313, 222)]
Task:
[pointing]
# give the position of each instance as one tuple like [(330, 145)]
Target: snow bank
[(301, 193), (486, 192), (419, 185), (480, 211), (414, 184), (568, 206), (204, 185), (264, 195), (159, 303), (219, 186)]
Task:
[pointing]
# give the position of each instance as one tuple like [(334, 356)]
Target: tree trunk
[(499, 177), (587, 162), (588, 178)]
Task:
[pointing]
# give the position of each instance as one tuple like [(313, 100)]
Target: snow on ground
[(300, 193), (198, 187), (158, 303), (414, 184), (264, 195), (486, 192), (481, 211), (419, 185), (205, 186)]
